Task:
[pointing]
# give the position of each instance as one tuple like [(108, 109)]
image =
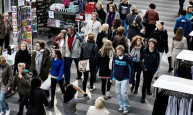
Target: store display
[(89, 7)]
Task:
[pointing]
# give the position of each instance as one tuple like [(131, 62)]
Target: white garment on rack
[(183, 110), (172, 106), (190, 107)]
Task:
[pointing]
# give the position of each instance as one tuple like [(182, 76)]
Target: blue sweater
[(57, 67), (122, 68)]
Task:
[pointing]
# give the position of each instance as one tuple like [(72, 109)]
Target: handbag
[(46, 85), (145, 20), (84, 65)]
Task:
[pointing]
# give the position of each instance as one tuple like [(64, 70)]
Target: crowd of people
[(117, 51)]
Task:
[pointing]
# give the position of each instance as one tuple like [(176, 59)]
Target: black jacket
[(100, 37), (22, 56), (40, 100), (89, 51), (101, 15), (151, 60), (162, 40), (103, 64)]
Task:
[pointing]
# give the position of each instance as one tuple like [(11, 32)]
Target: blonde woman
[(103, 58), (99, 108), (101, 35), (101, 13), (22, 56), (7, 78)]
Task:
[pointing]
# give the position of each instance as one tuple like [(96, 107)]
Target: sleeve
[(55, 40), (98, 59), (44, 99), (166, 43), (127, 19), (158, 60), (32, 67), (28, 61), (141, 59), (113, 68), (139, 22), (117, 15), (107, 17), (61, 70), (145, 15), (87, 28), (131, 72), (81, 100), (185, 44), (10, 75), (190, 27), (81, 52), (25, 80), (100, 29), (157, 17), (48, 63)]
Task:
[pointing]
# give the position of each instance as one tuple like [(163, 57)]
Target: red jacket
[(152, 16), (54, 42)]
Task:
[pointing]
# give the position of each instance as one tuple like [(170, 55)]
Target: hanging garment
[(172, 106), (190, 107), (184, 104)]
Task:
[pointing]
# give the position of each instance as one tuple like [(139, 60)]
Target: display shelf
[(66, 13)]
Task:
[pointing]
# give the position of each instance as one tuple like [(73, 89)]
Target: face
[(119, 53), (61, 35), (3, 63), (38, 47), (151, 45), (190, 10), (111, 9), (54, 54), (70, 31), (20, 69), (93, 16), (138, 42), (123, 1), (23, 47), (159, 26), (6, 16), (98, 7)]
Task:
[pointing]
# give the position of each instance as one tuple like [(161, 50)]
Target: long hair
[(179, 34), (134, 41), (35, 83), (26, 45), (116, 23), (106, 49), (69, 93), (58, 53), (133, 9)]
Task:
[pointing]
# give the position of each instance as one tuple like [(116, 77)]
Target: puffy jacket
[(88, 51), (162, 40), (151, 60)]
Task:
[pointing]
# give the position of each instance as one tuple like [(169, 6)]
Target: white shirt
[(94, 111), (61, 44), (120, 57), (94, 27)]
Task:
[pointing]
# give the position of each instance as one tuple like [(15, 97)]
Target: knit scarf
[(138, 48)]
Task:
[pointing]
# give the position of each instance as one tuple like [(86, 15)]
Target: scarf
[(38, 60), (138, 48), (110, 18)]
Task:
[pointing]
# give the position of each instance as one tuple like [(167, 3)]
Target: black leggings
[(53, 88), (136, 79), (21, 105), (6, 40), (103, 86), (147, 79)]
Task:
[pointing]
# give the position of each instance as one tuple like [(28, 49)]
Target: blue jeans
[(68, 63), (121, 92), (125, 26), (3, 103)]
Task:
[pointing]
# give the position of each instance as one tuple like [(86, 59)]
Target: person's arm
[(172, 47), (158, 60), (48, 63), (176, 26), (145, 15), (127, 19), (87, 29), (107, 17), (28, 61), (142, 60), (190, 27), (61, 71), (32, 67), (166, 43), (83, 99), (25, 80), (14, 83), (139, 22), (119, 10), (56, 41), (185, 46), (113, 69), (157, 17)]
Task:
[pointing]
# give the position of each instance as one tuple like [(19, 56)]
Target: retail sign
[(51, 14), (21, 2)]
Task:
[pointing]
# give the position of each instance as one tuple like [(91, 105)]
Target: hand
[(12, 92), (20, 76), (9, 88), (30, 73), (58, 80)]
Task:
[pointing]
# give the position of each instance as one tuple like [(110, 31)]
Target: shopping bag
[(83, 65), (46, 85)]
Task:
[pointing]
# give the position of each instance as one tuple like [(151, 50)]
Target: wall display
[(14, 23)]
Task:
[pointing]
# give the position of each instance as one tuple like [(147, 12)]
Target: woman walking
[(102, 35), (101, 13), (56, 72), (137, 45), (104, 56)]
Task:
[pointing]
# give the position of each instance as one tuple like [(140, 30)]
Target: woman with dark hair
[(113, 29), (70, 102), (152, 16), (137, 45), (133, 20), (89, 51), (56, 73), (23, 55), (179, 43), (36, 98)]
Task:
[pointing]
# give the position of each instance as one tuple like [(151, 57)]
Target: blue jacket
[(185, 23), (122, 69), (57, 67)]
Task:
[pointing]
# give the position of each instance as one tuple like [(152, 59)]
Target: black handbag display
[(145, 20)]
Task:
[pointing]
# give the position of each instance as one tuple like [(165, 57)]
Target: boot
[(170, 64), (136, 90), (132, 88)]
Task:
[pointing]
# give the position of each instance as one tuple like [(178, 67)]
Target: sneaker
[(120, 109), (2, 113), (126, 111), (108, 94), (142, 100), (92, 89), (7, 112)]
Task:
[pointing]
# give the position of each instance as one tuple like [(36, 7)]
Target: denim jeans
[(125, 26), (68, 63), (121, 92), (3, 103)]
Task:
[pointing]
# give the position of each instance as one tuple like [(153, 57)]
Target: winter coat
[(185, 23), (133, 31), (177, 47), (45, 65), (7, 75), (101, 15), (108, 16), (89, 51), (100, 37), (40, 100), (124, 9), (22, 57), (2, 29), (120, 40), (162, 40), (22, 84), (76, 46), (153, 16), (151, 60), (103, 64)]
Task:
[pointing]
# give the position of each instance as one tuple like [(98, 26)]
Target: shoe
[(7, 112), (2, 113), (149, 92), (132, 88), (105, 97), (78, 78), (108, 94), (51, 104), (92, 89), (66, 84), (120, 109), (126, 111), (136, 91), (142, 100), (170, 70)]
